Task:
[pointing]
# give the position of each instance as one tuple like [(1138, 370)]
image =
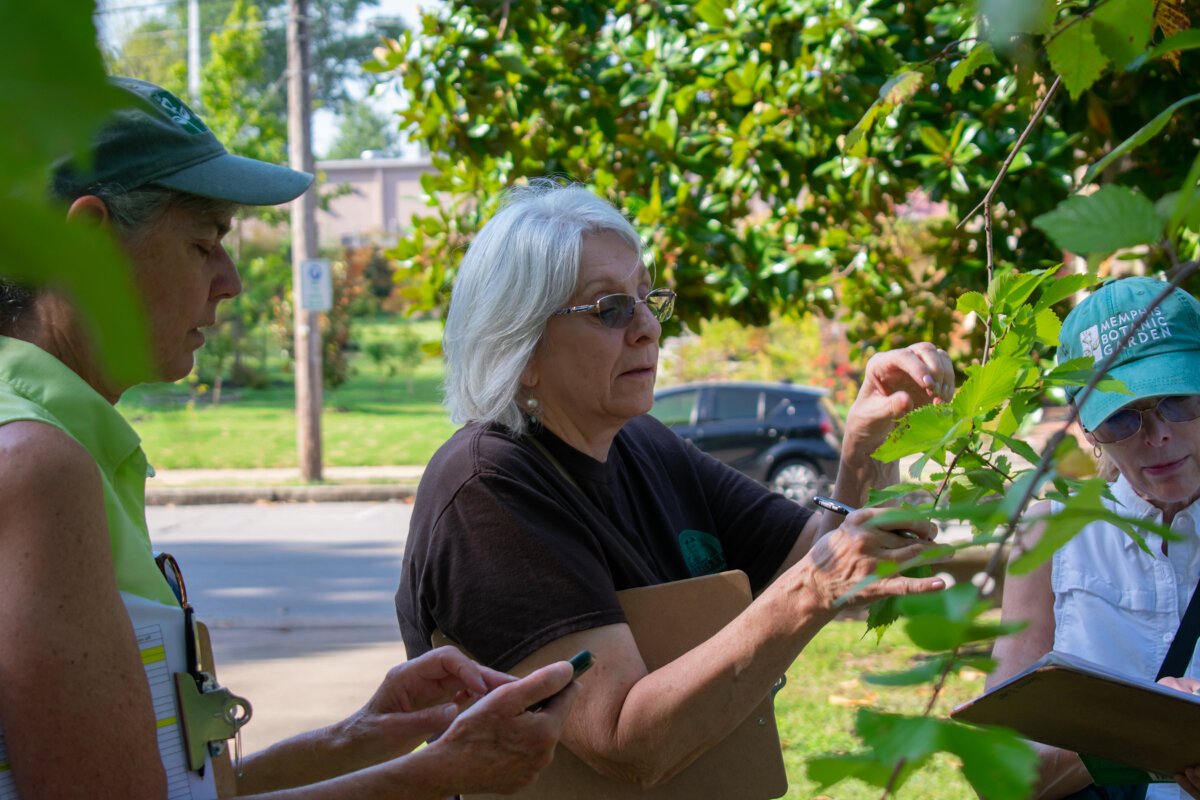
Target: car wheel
[(797, 480)]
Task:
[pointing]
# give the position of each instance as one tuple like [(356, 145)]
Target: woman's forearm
[(676, 713)]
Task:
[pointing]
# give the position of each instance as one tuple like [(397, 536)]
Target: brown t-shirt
[(506, 554)]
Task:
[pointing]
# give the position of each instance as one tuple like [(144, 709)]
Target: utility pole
[(307, 324), (193, 59)]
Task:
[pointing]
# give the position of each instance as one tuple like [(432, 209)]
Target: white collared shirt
[(1119, 606)]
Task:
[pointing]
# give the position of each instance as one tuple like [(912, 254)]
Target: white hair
[(520, 268)]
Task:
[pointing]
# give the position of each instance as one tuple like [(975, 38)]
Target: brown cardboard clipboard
[(1073, 704), (668, 620)]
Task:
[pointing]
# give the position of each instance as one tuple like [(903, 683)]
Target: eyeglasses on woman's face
[(1124, 423), (617, 310)]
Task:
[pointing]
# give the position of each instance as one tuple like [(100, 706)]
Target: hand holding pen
[(838, 507)]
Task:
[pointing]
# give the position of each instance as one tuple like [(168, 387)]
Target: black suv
[(785, 436)]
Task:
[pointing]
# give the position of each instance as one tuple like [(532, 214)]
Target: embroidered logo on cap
[(1099, 341), (180, 114)]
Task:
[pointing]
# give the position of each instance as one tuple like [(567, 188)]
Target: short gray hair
[(519, 269), (133, 214)]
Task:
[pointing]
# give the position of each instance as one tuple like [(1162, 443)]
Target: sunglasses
[(616, 310), (1122, 424)]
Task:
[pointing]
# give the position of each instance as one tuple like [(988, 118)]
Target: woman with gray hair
[(560, 491), (103, 689)]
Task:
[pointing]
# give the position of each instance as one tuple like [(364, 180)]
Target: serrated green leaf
[(1076, 57), (1140, 137), (1017, 446), (1061, 288), (981, 55), (969, 302), (825, 771), (986, 388), (1113, 218), (959, 603), (1122, 28), (997, 762), (1048, 327), (917, 432), (893, 737)]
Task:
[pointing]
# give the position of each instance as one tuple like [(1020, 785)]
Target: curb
[(229, 495)]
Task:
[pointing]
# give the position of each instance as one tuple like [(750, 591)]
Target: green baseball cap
[(1162, 358), (159, 141)]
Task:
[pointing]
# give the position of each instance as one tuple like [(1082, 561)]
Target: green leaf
[(1023, 449), (712, 12), (918, 432), (1060, 528), (901, 87), (981, 55), (986, 388), (1122, 28), (1184, 206), (973, 302), (997, 762), (1140, 137), (1076, 57), (1112, 218), (825, 771), (1061, 288), (1184, 40), (1048, 327)]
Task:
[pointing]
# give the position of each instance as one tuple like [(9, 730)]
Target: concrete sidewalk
[(185, 487)]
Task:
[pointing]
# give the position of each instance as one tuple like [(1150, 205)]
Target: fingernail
[(449, 711), (928, 380), (938, 583)]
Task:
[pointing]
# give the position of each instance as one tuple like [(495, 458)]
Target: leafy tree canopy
[(771, 150), (156, 48)]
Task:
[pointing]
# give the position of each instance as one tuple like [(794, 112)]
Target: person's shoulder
[(473, 450), (41, 465)]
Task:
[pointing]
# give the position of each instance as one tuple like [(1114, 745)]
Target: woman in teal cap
[(102, 691), (1101, 597)]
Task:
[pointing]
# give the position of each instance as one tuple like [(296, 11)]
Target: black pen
[(838, 507)]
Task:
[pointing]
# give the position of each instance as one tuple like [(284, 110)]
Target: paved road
[(299, 599)]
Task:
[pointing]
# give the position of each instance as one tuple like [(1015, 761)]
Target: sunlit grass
[(371, 420)]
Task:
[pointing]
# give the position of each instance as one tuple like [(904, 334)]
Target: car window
[(731, 403), (777, 404), (675, 409)]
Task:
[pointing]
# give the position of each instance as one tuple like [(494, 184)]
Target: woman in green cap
[(1101, 597), (103, 692)]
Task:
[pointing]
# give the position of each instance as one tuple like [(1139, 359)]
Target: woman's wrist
[(858, 475)]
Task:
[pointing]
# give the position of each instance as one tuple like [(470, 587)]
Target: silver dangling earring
[(532, 409), (1096, 451)]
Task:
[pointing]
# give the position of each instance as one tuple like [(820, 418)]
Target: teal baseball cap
[(158, 141), (1162, 358)]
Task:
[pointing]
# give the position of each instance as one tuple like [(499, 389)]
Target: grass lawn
[(370, 420), (816, 710)]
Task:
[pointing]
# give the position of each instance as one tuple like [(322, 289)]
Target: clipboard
[(667, 620), (1074, 704)]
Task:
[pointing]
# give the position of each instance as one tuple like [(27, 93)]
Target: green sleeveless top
[(36, 386)]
